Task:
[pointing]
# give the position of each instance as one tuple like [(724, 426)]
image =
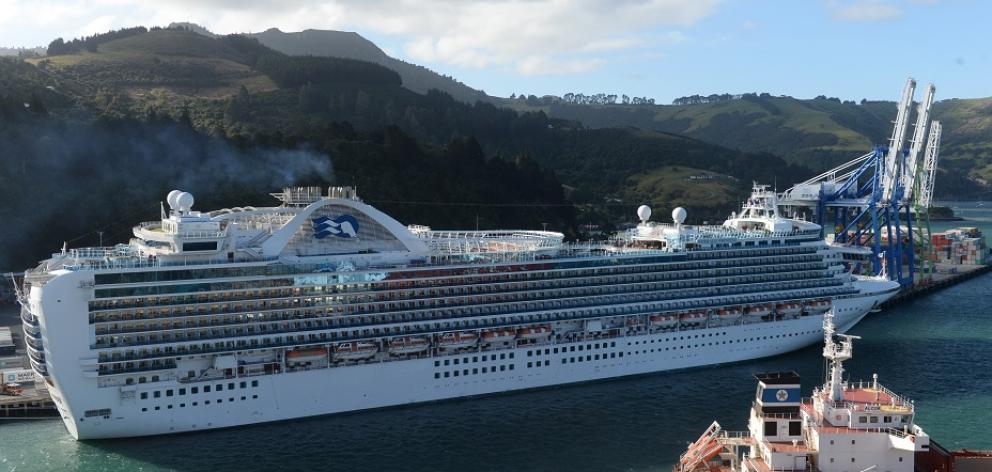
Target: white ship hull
[(325, 391)]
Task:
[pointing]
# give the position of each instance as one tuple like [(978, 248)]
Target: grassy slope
[(148, 68), (353, 46), (673, 186)]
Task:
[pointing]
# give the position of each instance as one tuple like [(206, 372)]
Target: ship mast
[(836, 353)]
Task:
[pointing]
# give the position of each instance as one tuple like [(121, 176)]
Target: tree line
[(583, 99), (60, 47)]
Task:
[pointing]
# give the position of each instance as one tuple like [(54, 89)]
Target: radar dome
[(171, 198), (678, 215), (185, 201), (644, 212)]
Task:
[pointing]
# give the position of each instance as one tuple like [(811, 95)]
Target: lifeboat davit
[(816, 307), (408, 345), (458, 340), (789, 309), (758, 311), (693, 318), (355, 351), (534, 332), (663, 321), (300, 356)]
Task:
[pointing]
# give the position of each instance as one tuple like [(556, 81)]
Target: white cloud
[(528, 36), (863, 10)]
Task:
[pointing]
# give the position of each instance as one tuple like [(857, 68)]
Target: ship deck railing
[(123, 256), (720, 231), (566, 313), (897, 432), (196, 349), (898, 400)]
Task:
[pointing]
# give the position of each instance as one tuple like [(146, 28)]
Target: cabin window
[(200, 246), (795, 428), (771, 428)]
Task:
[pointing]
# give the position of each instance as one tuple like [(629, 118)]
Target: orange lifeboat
[(303, 356), (693, 319), (408, 345), (460, 340), (534, 332), (499, 336), (758, 311), (728, 314), (789, 309), (663, 321), (816, 307), (355, 351)]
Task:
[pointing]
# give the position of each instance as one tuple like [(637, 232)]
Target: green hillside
[(239, 86), (171, 106), (353, 46), (818, 133)]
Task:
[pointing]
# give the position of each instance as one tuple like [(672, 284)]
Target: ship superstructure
[(844, 427), (324, 304)]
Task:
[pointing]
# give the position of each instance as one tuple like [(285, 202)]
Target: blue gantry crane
[(871, 204)]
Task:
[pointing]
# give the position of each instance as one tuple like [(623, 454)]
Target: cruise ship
[(323, 304)]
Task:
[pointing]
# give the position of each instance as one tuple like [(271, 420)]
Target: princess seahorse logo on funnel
[(344, 226)]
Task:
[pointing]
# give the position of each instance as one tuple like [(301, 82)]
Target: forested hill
[(98, 132), (817, 133), (353, 46)]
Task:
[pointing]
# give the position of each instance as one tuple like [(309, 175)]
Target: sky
[(662, 49)]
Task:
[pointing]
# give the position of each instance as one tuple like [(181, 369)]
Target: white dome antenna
[(644, 213), (171, 199), (184, 201), (678, 216)]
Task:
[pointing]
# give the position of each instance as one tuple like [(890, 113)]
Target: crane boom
[(919, 135), (930, 165), (890, 173)]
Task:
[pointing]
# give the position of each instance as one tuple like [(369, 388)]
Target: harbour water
[(933, 349)]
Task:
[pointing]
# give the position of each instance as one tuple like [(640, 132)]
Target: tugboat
[(844, 427)]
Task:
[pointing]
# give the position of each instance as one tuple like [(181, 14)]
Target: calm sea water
[(935, 350)]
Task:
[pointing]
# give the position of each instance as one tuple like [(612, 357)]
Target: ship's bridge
[(760, 213)]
